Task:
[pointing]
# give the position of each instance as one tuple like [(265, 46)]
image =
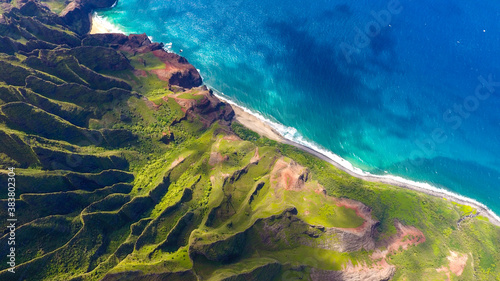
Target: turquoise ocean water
[(406, 88)]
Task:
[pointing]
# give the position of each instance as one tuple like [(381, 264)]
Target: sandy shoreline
[(99, 25), (257, 125)]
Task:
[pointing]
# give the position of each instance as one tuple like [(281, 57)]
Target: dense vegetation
[(123, 175)]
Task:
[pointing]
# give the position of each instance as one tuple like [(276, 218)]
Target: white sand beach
[(100, 25)]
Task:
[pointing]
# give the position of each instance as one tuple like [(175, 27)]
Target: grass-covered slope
[(126, 169)]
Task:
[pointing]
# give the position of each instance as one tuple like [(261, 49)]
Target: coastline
[(100, 25), (267, 128), (256, 123)]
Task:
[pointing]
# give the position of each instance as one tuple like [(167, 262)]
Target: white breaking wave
[(104, 23)]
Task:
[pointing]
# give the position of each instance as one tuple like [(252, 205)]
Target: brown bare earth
[(380, 269), (151, 104), (457, 263), (288, 175), (207, 108), (216, 158), (256, 156), (231, 138), (177, 162)]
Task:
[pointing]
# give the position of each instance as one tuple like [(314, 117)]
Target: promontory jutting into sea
[(394, 87)]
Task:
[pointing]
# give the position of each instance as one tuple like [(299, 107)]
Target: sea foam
[(106, 24)]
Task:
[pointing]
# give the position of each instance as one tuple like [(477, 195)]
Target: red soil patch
[(288, 176), (456, 266), (140, 72), (445, 270), (216, 158), (151, 104), (320, 190), (231, 138), (162, 74), (457, 263), (406, 236)]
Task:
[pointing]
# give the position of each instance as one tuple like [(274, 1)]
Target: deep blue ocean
[(407, 88)]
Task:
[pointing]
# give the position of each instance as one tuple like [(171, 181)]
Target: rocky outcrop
[(31, 21), (223, 250), (206, 106), (380, 269), (351, 239), (177, 71), (113, 40), (213, 109), (31, 9), (140, 43), (77, 17), (77, 14)]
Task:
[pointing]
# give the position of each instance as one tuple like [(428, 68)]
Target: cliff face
[(77, 14), (176, 71), (129, 169)]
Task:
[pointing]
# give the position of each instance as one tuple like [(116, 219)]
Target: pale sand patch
[(256, 156), (99, 27), (177, 162), (255, 124), (457, 264)]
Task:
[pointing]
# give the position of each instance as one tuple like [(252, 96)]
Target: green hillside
[(127, 168)]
